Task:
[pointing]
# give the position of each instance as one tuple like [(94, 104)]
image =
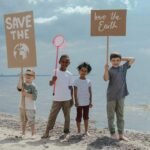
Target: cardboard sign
[(19, 28), (108, 22)]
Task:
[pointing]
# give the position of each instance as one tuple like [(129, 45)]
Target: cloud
[(130, 4), (45, 20), (34, 1), (127, 3), (75, 10)]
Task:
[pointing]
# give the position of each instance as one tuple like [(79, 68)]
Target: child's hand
[(76, 104), (71, 103), (91, 105), (24, 93), (106, 67), (54, 78)]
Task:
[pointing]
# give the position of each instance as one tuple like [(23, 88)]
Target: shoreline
[(99, 139)]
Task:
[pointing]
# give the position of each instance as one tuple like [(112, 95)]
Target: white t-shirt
[(64, 80), (83, 94)]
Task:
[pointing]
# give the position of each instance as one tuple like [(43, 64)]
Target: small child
[(27, 104), (63, 98), (116, 92), (83, 96)]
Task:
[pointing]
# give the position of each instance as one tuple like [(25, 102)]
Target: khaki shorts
[(28, 117)]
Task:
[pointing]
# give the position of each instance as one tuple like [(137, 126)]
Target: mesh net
[(58, 40)]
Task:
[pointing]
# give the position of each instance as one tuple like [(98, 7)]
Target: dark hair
[(115, 55), (63, 56), (85, 65)]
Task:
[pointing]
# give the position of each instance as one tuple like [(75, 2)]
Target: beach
[(10, 138)]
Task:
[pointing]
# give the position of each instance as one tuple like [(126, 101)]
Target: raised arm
[(53, 80), (106, 73), (130, 60), (19, 85)]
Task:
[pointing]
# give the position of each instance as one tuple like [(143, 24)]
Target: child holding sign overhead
[(27, 105), (116, 92)]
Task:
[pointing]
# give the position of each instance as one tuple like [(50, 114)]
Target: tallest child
[(116, 92), (63, 98)]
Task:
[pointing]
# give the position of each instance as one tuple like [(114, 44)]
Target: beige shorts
[(28, 117)]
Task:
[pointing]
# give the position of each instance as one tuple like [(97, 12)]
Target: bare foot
[(45, 136), (33, 137), (122, 137), (23, 136), (66, 138), (114, 136), (87, 134)]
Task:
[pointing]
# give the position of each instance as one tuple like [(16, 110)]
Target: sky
[(71, 18)]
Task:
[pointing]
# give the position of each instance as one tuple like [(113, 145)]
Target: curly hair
[(85, 65)]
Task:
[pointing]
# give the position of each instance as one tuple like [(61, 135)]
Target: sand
[(10, 138)]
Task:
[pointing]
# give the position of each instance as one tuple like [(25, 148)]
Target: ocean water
[(137, 109)]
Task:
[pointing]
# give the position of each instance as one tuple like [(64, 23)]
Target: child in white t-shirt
[(27, 104), (83, 96), (63, 97)]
